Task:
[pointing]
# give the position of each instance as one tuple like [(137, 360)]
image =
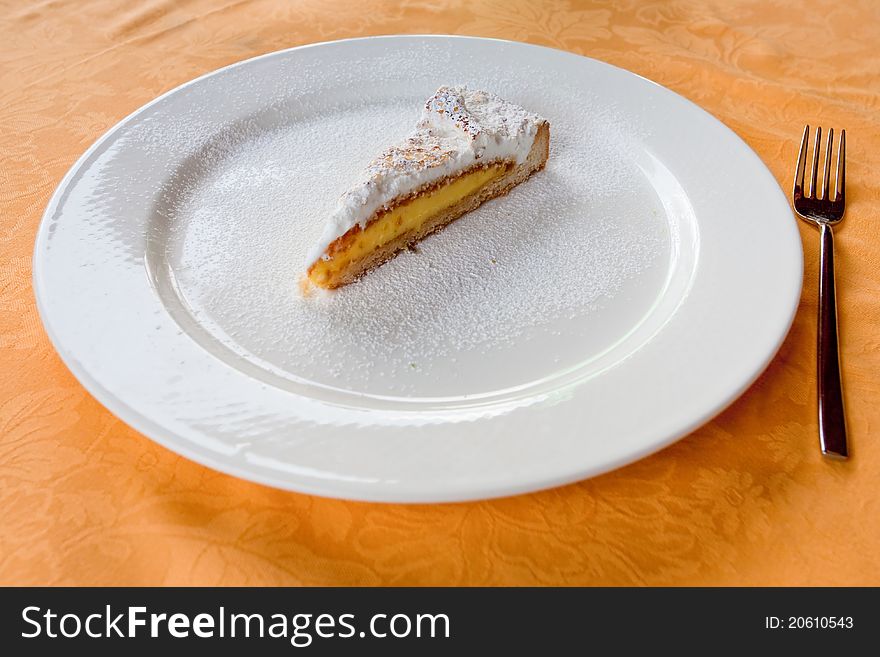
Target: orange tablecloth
[(745, 500)]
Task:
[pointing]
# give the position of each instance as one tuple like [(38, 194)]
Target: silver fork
[(820, 208)]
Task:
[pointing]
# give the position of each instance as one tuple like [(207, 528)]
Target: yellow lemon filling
[(400, 220)]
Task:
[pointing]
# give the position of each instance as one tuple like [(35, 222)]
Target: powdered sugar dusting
[(568, 261)]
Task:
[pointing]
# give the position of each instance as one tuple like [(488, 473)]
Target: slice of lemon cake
[(469, 147)]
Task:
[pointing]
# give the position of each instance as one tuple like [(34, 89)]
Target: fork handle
[(832, 423)]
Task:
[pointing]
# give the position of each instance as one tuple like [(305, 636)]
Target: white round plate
[(604, 308)]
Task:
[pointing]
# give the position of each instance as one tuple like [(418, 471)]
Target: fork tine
[(801, 164), (841, 168), (829, 143), (815, 161)]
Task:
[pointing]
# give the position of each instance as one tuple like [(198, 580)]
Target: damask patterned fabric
[(747, 499)]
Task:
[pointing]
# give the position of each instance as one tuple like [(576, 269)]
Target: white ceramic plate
[(603, 309)]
